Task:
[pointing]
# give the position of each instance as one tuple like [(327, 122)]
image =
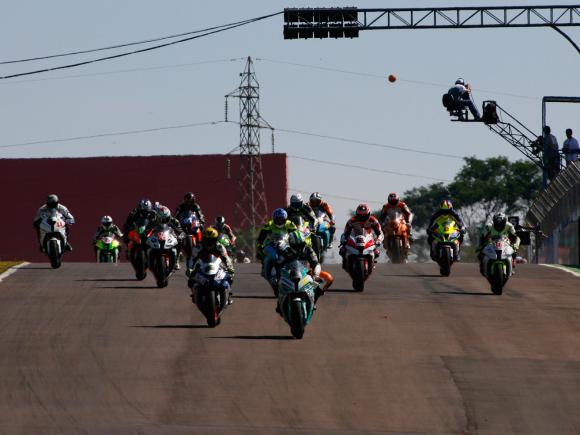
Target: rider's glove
[(317, 270)]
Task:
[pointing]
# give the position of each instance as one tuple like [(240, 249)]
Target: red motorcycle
[(359, 256)]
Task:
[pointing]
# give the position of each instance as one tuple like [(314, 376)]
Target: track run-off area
[(88, 349)]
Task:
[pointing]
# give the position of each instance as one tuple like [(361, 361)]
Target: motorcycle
[(359, 256), (322, 231), (211, 287), (53, 236), (162, 245), (192, 227), (396, 241), (445, 246), (498, 263), (225, 241), (312, 239), (296, 294), (136, 250), (108, 248), (275, 244)]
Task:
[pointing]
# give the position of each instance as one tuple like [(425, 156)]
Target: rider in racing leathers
[(189, 204), (223, 228), (297, 207), (163, 217), (500, 227), (362, 219), (278, 225), (394, 201), (107, 226), (52, 203), (317, 203), (144, 210), (210, 246), (445, 209)]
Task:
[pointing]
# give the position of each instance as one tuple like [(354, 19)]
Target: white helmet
[(106, 221)]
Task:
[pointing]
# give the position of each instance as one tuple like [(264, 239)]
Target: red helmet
[(363, 212), (393, 198)]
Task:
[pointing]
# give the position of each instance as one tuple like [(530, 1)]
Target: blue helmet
[(279, 217)]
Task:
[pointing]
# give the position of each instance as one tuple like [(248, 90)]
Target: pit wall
[(97, 186)]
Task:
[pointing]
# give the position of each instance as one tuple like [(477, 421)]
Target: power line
[(373, 144), (365, 168), (142, 50), (384, 77), (119, 133), (151, 68), (348, 198), (127, 44)]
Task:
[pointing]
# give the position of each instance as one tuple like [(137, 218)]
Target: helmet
[(315, 199), (164, 214), (363, 212), (460, 81), (296, 241), (446, 205), (189, 197), (393, 198), (157, 206), (296, 201), (106, 221), (144, 205), (279, 217), (220, 220), (499, 221), (209, 237), (52, 201)]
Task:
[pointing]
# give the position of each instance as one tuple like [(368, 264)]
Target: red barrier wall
[(96, 186)]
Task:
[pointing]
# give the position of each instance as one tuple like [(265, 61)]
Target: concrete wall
[(93, 187)]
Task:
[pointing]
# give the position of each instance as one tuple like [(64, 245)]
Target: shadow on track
[(463, 293), (413, 276), (106, 280), (253, 297), (126, 287), (341, 290), (171, 326), (35, 268), (257, 337)]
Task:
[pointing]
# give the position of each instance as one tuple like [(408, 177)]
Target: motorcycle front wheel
[(212, 314), (297, 319), (445, 262), (497, 279), (53, 254), (358, 275)]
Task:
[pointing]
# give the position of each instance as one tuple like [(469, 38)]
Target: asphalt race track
[(87, 349)]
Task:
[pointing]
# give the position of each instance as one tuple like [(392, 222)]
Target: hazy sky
[(526, 63)]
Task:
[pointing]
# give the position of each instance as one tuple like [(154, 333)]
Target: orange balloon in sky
[(392, 78)]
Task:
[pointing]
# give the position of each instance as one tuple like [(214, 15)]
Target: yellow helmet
[(209, 237), (446, 205)]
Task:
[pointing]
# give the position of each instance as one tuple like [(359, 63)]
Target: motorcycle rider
[(361, 220), (297, 207), (52, 203), (189, 204), (163, 217), (500, 227), (394, 201), (107, 226), (279, 224), (318, 204), (223, 228), (445, 209), (210, 246), (144, 210)]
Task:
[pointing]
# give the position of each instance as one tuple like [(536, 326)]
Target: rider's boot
[(68, 247)]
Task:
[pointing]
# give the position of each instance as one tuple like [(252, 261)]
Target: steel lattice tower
[(251, 205)]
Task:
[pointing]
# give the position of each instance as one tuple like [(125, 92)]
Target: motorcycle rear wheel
[(297, 320)]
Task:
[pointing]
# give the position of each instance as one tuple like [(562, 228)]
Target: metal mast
[(251, 205)]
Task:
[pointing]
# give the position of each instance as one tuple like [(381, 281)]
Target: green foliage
[(424, 200)]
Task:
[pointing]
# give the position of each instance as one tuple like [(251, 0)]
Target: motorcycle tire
[(161, 272), (52, 250), (497, 279), (358, 275), (139, 265), (297, 321), (445, 262), (213, 314)]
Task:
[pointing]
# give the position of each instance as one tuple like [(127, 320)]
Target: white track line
[(564, 268), (12, 270)]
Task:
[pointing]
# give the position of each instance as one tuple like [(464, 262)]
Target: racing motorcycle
[(275, 244), (322, 230), (359, 256), (312, 238), (108, 248), (498, 263), (211, 287), (396, 236), (445, 247), (162, 245), (225, 241), (192, 227), (137, 251), (296, 293), (53, 236)]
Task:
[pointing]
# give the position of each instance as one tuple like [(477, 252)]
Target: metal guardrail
[(559, 203)]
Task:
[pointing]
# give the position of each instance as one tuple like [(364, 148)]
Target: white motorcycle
[(162, 244), (497, 263), (210, 286), (53, 236)]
